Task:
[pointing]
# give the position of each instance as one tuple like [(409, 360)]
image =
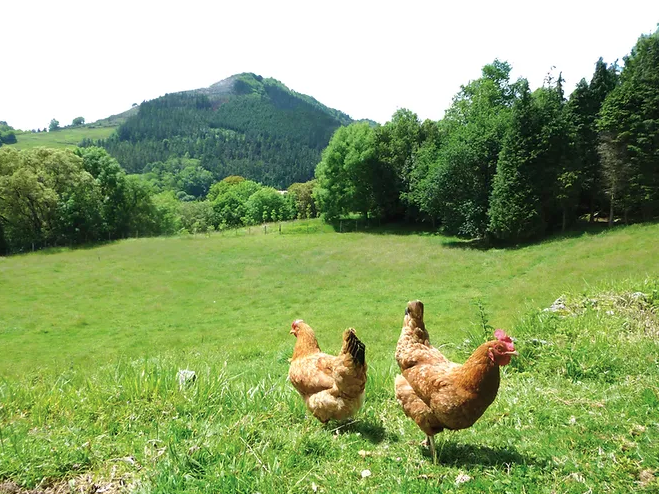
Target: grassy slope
[(61, 138), (91, 341)]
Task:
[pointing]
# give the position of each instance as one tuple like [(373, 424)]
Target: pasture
[(64, 138), (92, 339)]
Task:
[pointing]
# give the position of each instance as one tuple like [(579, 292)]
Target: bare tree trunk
[(592, 211), (611, 211)]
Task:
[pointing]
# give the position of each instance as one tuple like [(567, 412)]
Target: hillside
[(65, 138), (244, 125), (131, 296), (93, 340)]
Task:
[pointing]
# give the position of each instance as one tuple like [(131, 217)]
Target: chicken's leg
[(431, 443)]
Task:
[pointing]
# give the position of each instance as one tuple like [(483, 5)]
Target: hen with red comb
[(439, 394)]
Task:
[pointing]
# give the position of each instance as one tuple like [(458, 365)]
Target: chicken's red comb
[(296, 322), (501, 335)]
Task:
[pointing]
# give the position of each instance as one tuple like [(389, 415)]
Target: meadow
[(91, 341), (64, 138)]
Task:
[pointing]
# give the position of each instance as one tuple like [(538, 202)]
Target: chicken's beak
[(515, 353), (292, 331)]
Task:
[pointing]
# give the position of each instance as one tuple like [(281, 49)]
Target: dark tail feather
[(355, 347)]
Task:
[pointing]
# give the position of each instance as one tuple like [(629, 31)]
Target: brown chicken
[(332, 386), (439, 394)]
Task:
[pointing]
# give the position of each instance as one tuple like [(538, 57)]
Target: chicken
[(333, 387), (439, 394)]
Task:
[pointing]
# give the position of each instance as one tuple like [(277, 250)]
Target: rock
[(558, 305), (185, 378), (462, 478)]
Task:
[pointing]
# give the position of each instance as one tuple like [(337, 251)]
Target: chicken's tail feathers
[(353, 346)]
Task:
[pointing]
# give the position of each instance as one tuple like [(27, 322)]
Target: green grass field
[(91, 341), (61, 138)]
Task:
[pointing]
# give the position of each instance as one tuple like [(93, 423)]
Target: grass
[(64, 138), (92, 340)]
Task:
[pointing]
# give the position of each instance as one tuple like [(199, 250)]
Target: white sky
[(63, 59)]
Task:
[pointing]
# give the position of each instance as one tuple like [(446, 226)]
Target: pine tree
[(630, 124), (515, 205)]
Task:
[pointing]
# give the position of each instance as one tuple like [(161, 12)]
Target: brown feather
[(331, 386), (435, 392)]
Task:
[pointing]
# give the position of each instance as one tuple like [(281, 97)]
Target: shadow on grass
[(467, 455), (576, 231), (374, 227), (46, 251), (372, 431), (352, 225)]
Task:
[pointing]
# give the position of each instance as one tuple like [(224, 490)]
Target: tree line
[(506, 162), (51, 197)]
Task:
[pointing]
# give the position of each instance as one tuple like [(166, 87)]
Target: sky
[(63, 59)]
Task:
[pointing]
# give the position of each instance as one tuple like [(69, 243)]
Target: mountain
[(244, 125)]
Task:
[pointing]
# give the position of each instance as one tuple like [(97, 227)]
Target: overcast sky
[(63, 59)]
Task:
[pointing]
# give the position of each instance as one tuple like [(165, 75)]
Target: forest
[(54, 197), (505, 164), (257, 128)]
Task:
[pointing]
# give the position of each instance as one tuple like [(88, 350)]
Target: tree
[(78, 121), (3, 243), (559, 172), (629, 120), (7, 134), (54, 125), (534, 178), (219, 188), (514, 211), (583, 109), (168, 211), (229, 207), (45, 194), (194, 180), (345, 174), (265, 204), (139, 208), (396, 143), (618, 172), (196, 216), (302, 194), (457, 186), (7, 137), (111, 181)]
